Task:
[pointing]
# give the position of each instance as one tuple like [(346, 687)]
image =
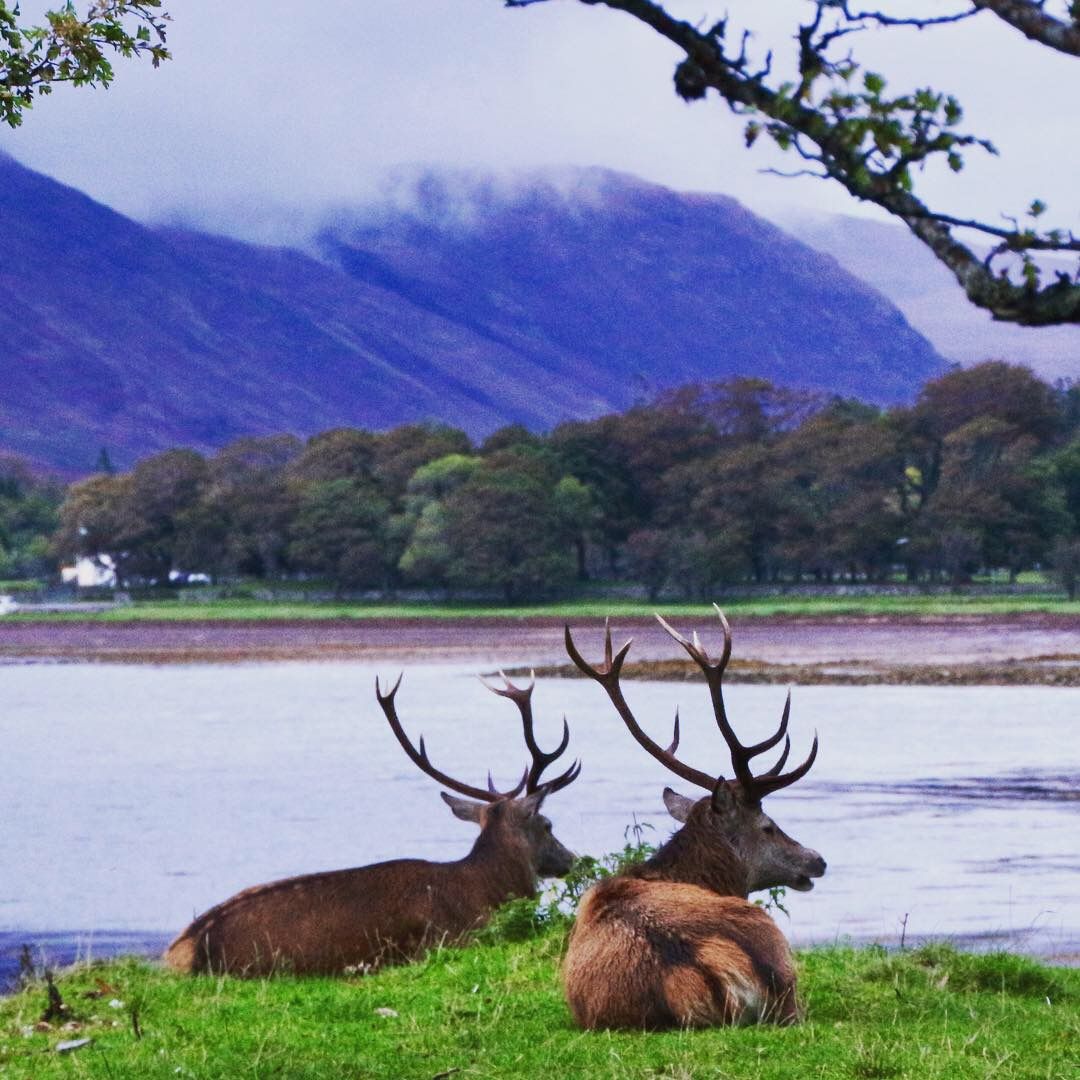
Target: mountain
[(890, 259), (472, 301)]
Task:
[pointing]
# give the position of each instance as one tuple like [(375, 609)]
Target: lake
[(135, 797)]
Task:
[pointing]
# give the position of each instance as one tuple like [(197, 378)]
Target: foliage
[(1065, 562), (28, 517), (73, 49), (708, 487), (555, 910), (496, 1010), (812, 97)]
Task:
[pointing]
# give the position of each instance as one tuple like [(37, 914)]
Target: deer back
[(368, 916), (389, 912)]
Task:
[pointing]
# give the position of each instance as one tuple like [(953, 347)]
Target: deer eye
[(770, 829)]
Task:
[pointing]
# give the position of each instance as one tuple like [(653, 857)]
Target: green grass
[(792, 606), (496, 1011)]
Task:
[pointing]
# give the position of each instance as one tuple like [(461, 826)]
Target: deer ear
[(463, 808), (678, 806)]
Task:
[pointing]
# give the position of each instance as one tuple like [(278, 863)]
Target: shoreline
[(893, 650)]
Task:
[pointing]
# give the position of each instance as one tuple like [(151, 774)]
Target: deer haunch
[(655, 954)]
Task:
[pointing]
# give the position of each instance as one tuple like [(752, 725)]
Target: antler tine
[(775, 770), (559, 782), (713, 671), (768, 783), (419, 757), (516, 790), (522, 697), (608, 677), (675, 740), (781, 731)]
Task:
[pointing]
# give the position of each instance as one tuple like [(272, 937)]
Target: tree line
[(738, 481)]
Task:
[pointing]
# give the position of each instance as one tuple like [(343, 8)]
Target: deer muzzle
[(814, 868)]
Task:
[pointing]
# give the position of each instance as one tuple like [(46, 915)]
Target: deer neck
[(501, 867), (693, 859)]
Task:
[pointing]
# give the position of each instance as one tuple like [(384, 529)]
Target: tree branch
[(867, 143), (1033, 22)]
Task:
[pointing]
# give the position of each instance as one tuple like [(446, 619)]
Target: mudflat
[(1024, 648)]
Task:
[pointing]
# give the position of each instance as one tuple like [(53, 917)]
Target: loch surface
[(136, 796)]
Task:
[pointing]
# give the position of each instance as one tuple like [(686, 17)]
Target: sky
[(273, 112), (274, 103)]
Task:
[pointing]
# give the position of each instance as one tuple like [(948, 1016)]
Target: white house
[(90, 572)]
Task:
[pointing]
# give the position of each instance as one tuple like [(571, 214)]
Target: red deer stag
[(391, 912), (673, 942)]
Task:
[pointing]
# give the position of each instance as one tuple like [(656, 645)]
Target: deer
[(673, 941), (392, 912)]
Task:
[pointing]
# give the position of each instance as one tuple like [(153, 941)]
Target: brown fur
[(372, 915), (675, 943), (656, 954)]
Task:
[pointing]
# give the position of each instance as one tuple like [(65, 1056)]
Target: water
[(135, 797)]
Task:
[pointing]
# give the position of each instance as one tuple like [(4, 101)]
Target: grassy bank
[(882, 606), (497, 1011)]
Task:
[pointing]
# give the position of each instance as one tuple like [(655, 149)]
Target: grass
[(496, 1010), (787, 606)]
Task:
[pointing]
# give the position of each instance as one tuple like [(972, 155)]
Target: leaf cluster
[(75, 49)]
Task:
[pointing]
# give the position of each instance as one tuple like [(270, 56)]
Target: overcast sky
[(271, 102)]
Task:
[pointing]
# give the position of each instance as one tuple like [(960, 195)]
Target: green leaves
[(874, 83), (73, 49)]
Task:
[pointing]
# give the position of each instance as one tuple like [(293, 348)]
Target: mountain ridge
[(531, 303)]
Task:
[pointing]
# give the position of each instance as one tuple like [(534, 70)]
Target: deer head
[(730, 817), (513, 814)]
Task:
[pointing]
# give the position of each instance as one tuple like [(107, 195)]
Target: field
[(788, 606), (496, 1011)]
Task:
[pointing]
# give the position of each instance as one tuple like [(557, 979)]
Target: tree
[(165, 491), (503, 530), (426, 556), (399, 452), (842, 121), (252, 504), (96, 520), (70, 49), (841, 475), (1065, 563), (28, 516), (991, 494), (337, 454), (339, 530)]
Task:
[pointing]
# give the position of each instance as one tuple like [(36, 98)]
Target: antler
[(754, 787), (608, 677), (521, 696), (420, 757)]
